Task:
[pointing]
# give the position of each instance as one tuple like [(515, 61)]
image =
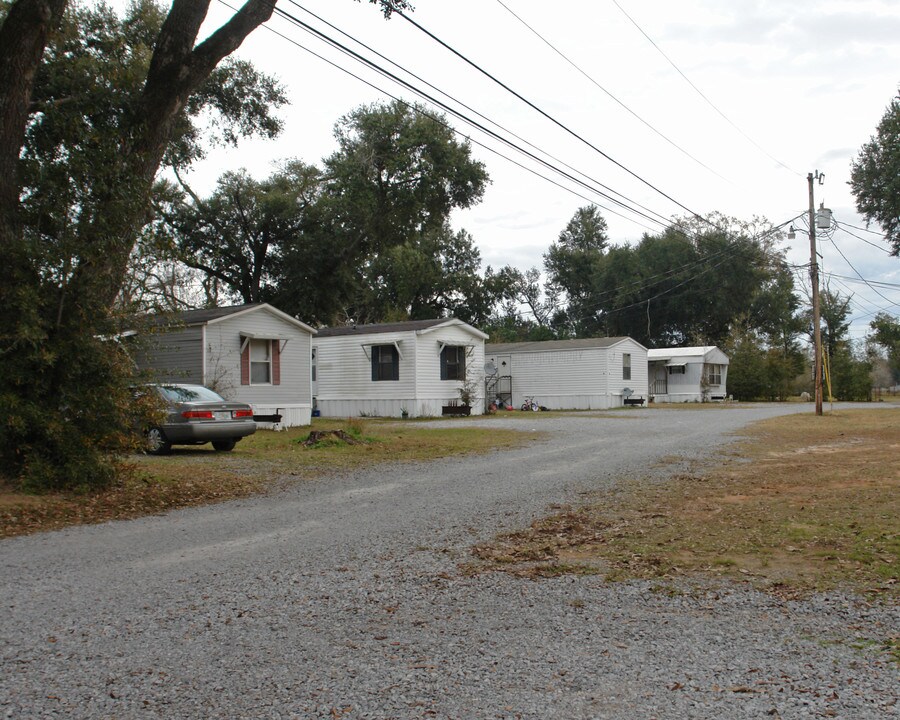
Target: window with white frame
[(626, 366), (713, 374), (675, 369), (260, 362), (453, 362)]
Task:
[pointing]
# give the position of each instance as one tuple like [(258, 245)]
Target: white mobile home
[(414, 368), (251, 353), (583, 374), (688, 374)]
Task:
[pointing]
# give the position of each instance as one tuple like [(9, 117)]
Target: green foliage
[(851, 375), (759, 369), (748, 377), (886, 333), (398, 172), (85, 102), (875, 176), (58, 432), (781, 372), (436, 274), (516, 290), (513, 328), (686, 285), (834, 312), (574, 258), (240, 234), (86, 166), (391, 6), (367, 238)]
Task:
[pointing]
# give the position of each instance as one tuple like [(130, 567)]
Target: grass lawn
[(804, 503), (262, 462)]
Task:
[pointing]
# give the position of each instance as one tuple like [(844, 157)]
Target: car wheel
[(224, 445), (157, 442)]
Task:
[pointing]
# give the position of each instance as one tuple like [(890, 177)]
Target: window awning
[(442, 345), (672, 363), (246, 337), (367, 347)]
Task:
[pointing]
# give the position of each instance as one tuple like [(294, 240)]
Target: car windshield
[(189, 393)]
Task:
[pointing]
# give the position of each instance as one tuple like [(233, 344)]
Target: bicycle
[(530, 404)]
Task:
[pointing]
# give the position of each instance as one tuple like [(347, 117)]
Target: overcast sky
[(696, 106)]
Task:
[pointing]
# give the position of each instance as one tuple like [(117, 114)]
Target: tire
[(224, 445), (157, 442)]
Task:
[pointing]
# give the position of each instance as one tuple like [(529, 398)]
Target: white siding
[(557, 379), (576, 378), (639, 379), (292, 398), (432, 393), (344, 385), (684, 387), (688, 387)]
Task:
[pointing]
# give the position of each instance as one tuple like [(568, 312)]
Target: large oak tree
[(875, 176), (61, 381)]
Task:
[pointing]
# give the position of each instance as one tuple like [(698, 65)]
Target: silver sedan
[(196, 415)]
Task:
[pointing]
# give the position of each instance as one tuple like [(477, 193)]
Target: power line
[(841, 253), (878, 283), (662, 221), (874, 232), (391, 76), (456, 100), (859, 301), (387, 74), (608, 93), (702, 94), (868, 242), (548, 116), (730, 248)]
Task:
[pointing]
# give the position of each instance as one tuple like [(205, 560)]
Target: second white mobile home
[(414, 368)]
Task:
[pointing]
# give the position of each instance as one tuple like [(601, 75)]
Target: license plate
[(222, 415)]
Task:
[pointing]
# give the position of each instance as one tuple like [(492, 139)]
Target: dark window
[(385, 363), (453, 362), (626, 366)]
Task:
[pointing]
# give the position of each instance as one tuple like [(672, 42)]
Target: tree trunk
[(23, 37), (177, 70)]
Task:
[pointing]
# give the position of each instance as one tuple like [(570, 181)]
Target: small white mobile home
[(415, 368), (688, 374), (252, 353), (583, 374)]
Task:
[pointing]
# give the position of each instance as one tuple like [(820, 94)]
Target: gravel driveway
[(341, 599)]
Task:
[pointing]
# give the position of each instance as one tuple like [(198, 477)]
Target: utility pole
[(814, 280)]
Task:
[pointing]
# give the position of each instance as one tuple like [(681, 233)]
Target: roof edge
[(262, 306), (455, 322)]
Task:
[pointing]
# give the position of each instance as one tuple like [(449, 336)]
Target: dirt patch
[(323, 436), (803, 503)]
